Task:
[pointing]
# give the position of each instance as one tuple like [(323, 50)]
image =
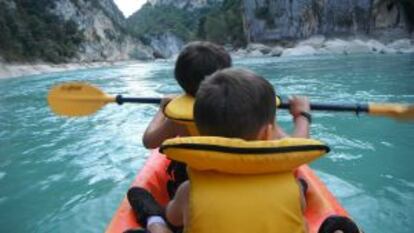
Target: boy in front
[(233, 103), (236, 103)]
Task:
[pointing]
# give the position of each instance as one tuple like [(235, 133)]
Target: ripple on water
[(337, 157), (2, 175), (339, 187), (343, 142)]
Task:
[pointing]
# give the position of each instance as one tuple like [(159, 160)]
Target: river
[(69, 174)]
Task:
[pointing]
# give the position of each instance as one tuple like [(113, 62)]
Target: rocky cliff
[(66, 31), (103, 27), (168, 24), (185, 4), (269, 20)]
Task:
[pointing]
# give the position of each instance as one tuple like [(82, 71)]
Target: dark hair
[(234, 103), (198, 60)]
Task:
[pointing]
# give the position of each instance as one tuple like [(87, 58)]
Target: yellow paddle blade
[(77, 99), (397, 111)]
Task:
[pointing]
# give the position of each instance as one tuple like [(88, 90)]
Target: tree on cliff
[(224, 25), (29, 33)]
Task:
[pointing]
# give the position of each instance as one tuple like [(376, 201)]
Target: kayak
[(320, 201)]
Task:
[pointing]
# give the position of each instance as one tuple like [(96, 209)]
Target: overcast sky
[(128, 7)]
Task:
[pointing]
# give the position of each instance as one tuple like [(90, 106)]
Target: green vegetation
[(221, 24), (29, 33), (224, 25), (150, 21)]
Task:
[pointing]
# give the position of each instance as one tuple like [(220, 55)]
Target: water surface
[(59, 173)]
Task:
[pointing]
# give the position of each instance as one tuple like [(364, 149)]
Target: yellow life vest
[(243, 186), (180, 110)]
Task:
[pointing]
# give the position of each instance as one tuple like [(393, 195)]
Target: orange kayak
[(153, 177)]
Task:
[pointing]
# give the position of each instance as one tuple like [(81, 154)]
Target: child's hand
[(299, 104)]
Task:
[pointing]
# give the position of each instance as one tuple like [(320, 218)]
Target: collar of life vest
[(237, 156), (181, 108)]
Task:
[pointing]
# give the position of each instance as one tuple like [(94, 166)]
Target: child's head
[(198, 60), (235, 103)]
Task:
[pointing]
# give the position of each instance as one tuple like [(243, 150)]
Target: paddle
[(81, 99)]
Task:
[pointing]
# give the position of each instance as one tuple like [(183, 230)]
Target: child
[(196, 61), (232, 103), (235, 103)]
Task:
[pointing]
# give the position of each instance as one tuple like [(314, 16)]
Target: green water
[(69, 175)]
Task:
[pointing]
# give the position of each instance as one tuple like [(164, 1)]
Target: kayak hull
[(320, 201)]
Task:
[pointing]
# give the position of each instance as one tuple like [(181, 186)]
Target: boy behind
[(196, 61)]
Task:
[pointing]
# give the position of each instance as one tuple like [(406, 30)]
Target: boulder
[(314, 41), (378, 47), (255, 53), (166, 45), (402, 45), (358, 46), (338, 46), (298, 51), (264, 49), (239, 53), (276, 51)]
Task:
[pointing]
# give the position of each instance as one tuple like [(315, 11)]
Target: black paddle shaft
[(357, 108), (121, 100)]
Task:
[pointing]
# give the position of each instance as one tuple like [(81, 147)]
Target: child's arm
[(298, 106), (177, 207), (162, 128)]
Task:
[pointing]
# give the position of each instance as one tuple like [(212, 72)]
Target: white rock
[(241, 52), (339, 46), (260, 47), (376, 46), (298, 51), (401, 45), (276, 51), (358, 46), (314, 41), (255, 53), (336, 46)]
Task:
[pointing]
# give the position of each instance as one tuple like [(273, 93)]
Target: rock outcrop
[(185, 4), (166, 45), (103, 27), (60, 31), (270, 20), (320, 45)]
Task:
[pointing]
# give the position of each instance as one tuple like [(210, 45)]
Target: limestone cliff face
[(185, 4), (166, 45), (103, 27), (61, 31), (267, 20)]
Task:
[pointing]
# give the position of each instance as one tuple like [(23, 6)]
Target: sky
[(128, 7)]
